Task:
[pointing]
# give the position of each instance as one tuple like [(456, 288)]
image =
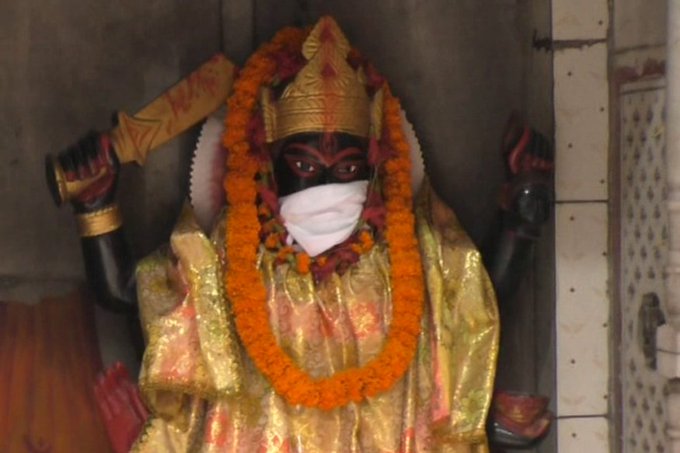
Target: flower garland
[(244, 284)]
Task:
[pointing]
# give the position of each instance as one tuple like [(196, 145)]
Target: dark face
[(308, 160)]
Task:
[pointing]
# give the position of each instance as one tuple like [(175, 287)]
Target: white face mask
[(323, 216)]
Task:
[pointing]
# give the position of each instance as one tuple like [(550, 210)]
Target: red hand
[(530, 153), (120, 407), (93, 157)]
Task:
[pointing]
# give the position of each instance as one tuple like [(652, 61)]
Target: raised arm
[(90, 173), (526, 200), (108, 262), (519, 420)]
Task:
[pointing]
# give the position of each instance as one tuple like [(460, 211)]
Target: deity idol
[(330, 309)]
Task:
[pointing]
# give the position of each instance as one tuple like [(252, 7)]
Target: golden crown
[(327, 95)]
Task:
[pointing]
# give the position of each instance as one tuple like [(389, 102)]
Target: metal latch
[(650, 317)]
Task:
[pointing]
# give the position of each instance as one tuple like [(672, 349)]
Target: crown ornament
[(327, 94)]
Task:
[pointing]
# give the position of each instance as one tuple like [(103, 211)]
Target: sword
[(183, 105)]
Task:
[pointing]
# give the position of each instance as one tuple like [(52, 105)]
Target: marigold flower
[(284, 253), (366, 240), (303, 261), (271, 241)]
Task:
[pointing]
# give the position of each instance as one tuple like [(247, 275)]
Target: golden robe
[(207, 396)]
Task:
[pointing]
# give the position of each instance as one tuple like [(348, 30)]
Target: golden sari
[(207, 396)]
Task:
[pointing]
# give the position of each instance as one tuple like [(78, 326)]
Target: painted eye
[(348, 169), (304, 166)]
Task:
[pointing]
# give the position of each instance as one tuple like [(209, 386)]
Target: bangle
[(99, 222)]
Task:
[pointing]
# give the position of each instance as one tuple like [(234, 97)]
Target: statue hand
[(120, 407), (529, 160), (525, 150), (518, 420), (92, 156)]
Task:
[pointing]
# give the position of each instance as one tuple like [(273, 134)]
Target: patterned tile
[(644, 242)]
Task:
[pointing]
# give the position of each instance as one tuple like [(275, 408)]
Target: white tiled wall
[(582, 314), (583, 435), (581, 96), (580, 19), (581, 123)]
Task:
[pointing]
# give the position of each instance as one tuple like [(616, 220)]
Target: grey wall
[(65, 66), (639, 23)]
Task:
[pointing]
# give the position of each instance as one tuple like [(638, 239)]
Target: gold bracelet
[(99, 222)]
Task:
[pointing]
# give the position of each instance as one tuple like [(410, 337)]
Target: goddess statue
[(330, 308)]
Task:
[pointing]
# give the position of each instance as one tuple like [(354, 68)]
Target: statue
[(330, 308)]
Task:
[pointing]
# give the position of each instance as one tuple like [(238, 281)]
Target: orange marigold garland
[(244, 284)]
